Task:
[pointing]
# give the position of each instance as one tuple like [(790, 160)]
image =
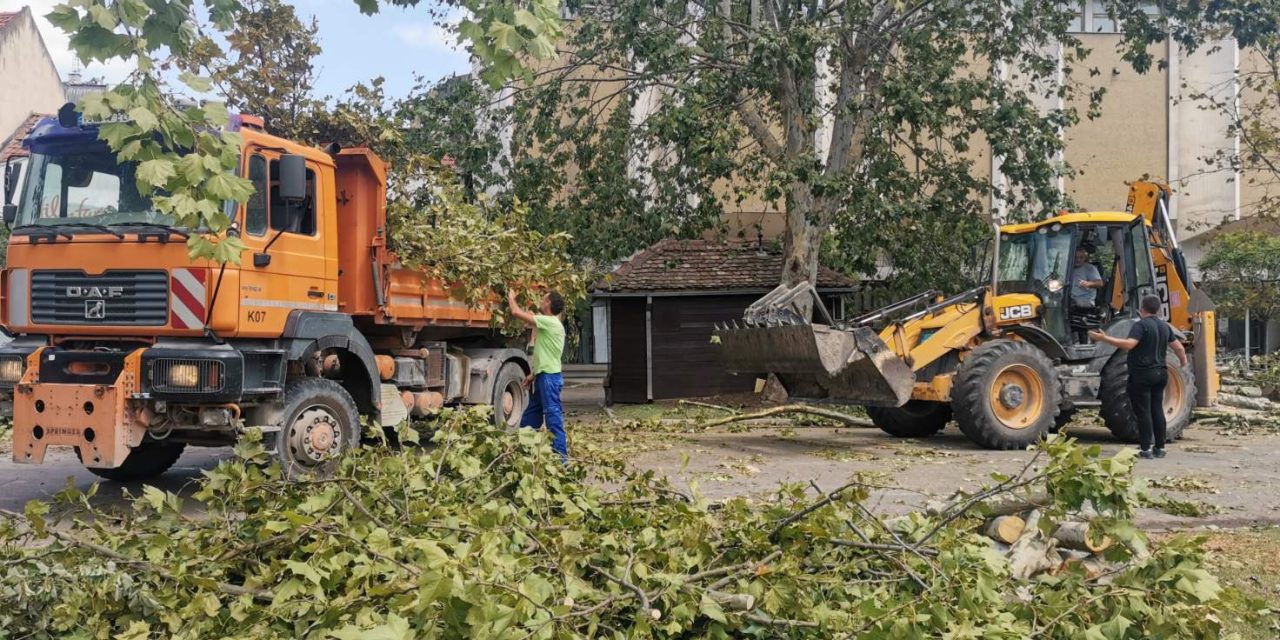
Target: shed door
[(628, 361), (685, 363)]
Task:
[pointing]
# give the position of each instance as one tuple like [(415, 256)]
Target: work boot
[(1159, 453), (1145, 454)]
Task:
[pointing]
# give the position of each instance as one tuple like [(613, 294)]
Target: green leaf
[(504, 37), (303, 570), (197, 83), (192, 168), (143, 118), (155, 173), (527, 20), (115, 133), (395, 628), (225, 186), (711, 609)]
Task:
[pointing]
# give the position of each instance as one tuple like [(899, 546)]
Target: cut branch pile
[(1246, 399), (486, 534)]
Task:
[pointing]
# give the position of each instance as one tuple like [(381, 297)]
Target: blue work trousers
[(544, 407)]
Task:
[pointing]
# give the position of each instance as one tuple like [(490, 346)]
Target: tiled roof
[(13, 144), (706, 265)]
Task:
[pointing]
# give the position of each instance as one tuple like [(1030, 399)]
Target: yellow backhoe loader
[(1009, 360)]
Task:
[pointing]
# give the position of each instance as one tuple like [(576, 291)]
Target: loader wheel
[(510, 397), (146, 461), (320, 423), (915, 419), (1006, 395), (1179, 399)]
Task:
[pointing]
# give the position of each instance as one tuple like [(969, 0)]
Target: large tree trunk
[(801, 243)]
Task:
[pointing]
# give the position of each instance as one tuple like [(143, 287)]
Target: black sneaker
[(1159, 453), (1145, 454)]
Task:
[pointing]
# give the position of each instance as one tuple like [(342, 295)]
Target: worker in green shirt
[(548, 347)]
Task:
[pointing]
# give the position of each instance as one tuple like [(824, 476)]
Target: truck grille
[(113, 298)]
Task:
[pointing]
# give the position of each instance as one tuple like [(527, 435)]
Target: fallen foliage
[(483, 533)]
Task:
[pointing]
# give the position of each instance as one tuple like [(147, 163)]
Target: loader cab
[(1050, 260)]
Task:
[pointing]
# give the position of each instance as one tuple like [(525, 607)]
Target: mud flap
[(819, 362)]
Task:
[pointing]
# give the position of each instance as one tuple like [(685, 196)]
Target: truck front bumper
[(98, 419)]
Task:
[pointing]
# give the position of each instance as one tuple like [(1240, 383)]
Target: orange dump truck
[(128, 351)]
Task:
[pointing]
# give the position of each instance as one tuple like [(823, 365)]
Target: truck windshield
[(1028, 261), (87, 188)]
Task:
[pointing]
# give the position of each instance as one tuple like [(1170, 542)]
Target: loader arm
[(1187, 308)]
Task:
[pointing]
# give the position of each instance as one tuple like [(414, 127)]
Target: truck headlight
[(11, 369), (183, 375)]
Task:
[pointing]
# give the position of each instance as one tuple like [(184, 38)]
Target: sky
[(395, 44)]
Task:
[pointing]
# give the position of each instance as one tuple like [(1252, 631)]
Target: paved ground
[(1236, 474)]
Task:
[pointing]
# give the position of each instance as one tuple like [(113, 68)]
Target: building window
[(1091, 16)]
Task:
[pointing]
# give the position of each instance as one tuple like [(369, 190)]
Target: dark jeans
[(1146, 396)]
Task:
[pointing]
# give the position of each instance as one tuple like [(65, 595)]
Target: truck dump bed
[(371, 282)]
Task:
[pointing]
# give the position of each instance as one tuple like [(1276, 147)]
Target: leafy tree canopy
[(1242, 272), (185, 162)]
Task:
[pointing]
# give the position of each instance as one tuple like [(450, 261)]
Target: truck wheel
[(509, 396), (320, 423), (915, 419), (1117, 413), (146, 461), (1006, 395)]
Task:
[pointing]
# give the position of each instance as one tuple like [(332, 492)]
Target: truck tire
[(915, 419), (510, 397), (1117, 414), (146, 461), (1006, 395), (319, 423)]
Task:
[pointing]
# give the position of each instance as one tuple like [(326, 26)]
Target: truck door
[(298, 272)]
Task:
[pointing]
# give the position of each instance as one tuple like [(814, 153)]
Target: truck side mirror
[(10, 214), (293, 178), (10, 179)]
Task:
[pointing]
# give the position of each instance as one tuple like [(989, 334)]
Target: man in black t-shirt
[(1149, 340)]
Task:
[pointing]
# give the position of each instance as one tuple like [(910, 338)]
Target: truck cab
[(127, 350)]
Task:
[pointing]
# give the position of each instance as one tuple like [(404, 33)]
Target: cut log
[(1031, 553), (1245, 402), (853, 421), (1006, 529), (1031, 557), (1017, 503), (1247, 390), (733, 601), (1075, 535)]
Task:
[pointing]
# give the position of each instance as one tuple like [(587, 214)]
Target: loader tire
[(1117, 414), (915, 419), (1006, 395), (146, 461)]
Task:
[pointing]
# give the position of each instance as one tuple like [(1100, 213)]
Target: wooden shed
[(661, 304)]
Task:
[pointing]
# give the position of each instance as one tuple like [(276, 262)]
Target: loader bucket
[(819, 362)]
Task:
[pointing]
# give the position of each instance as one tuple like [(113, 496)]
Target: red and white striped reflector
[(187, 298)]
